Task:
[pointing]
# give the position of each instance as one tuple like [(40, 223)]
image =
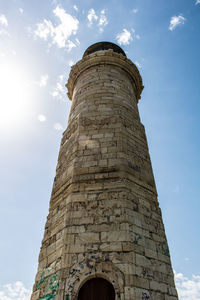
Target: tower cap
[(103, 46)]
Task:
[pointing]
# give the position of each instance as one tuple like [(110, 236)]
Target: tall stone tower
[(104, 236)]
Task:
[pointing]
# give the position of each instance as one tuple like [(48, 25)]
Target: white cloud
[(188, 289), (197, 2), (136, 36), (59, 91), (16, 291), (58, 127), (42, 118), (78, 42), (101, 20), (68, 26), (21, 10), (135, 10), (175, 21), (75, 8), (92, 16), (124, 38), (43, 80), (60, 34), (70, 45), (44, 30), (3, 20)]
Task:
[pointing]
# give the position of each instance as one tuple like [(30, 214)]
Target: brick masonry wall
[(104, 218)]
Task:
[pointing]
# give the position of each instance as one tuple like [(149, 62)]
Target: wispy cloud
[(91, 16), (176, 21), (58, 127), (197, 2), (70, 45), (3, 20), (21, 10), (58, 35), (135, 10), (124, 38), (188, 289), (42, 118), (77, 41), (16, 291), (4, 23), (43, 80), (75, 8), (45, 30), (101, 20), (135, 35), (59, 91)]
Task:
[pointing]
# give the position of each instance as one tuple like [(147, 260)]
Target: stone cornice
[(105, 57)]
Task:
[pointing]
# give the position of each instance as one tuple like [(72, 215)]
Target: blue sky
[(39, 41)]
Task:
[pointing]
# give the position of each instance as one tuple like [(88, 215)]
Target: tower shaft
[(104, 218)]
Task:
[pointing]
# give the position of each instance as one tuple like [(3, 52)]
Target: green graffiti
[(48, 286), (48, 297)]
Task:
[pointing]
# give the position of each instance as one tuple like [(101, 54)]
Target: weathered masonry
[(104, 236)]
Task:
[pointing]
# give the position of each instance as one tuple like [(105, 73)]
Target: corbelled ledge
[(105, 57)]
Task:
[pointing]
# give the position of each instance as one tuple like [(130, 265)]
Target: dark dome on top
[(103, 46)]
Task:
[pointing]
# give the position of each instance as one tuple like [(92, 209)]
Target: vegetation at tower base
[(104, 218)]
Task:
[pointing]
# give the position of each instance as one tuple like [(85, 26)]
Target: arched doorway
[(97, 289)]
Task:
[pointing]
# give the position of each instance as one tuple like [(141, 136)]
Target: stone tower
[(104, 236)]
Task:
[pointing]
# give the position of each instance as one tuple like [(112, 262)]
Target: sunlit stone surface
[(104, 219)]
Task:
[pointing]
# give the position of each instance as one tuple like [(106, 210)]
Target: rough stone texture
[(104, 218)]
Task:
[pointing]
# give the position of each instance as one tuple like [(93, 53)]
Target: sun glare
[(15, 96)]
